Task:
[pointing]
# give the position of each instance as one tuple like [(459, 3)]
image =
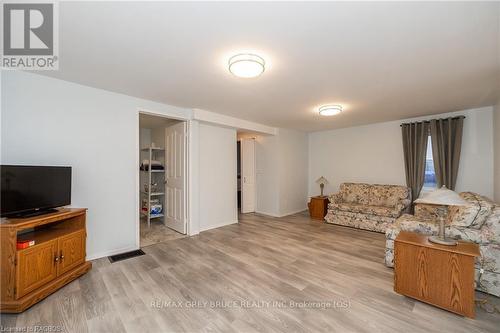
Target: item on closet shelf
[(156, 208), (153, 162), (155, 165), (154, 188)]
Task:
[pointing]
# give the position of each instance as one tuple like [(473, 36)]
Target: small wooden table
[(318, 207), (436, 274)]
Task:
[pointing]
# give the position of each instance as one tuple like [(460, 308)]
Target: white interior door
[(175, 177), (247, 175)]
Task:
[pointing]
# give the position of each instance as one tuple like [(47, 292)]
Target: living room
[(358, 114)]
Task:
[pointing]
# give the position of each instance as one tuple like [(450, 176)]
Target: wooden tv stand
[(57, 258)]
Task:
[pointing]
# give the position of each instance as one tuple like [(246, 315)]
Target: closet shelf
[(153, 194), (152, 216), (152, 197), (152, 148)]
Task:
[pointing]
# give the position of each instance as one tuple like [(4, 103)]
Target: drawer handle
[(56, 259), (61, 256)]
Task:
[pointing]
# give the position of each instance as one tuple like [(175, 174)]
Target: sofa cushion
[(360, 221), (427, 212), (355, 193), (379, 195), (398, 194), (387, 195), (365, 209), (475, 214)]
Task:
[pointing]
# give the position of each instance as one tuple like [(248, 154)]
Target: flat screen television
[(32, 190)]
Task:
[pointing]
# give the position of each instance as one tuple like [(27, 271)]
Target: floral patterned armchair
[(366, 206), (479, 223)]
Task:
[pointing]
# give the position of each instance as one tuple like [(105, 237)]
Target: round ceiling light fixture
[(246, 65), (330, 110)]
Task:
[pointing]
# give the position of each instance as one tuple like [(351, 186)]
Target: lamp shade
[(321, 180), (442, 196)]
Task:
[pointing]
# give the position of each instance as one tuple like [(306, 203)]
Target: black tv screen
[(29, 189)]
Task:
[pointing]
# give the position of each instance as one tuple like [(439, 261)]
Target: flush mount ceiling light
[(330, 110), (246, 65)]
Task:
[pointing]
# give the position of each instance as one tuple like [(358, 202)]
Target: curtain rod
[(428, 121)]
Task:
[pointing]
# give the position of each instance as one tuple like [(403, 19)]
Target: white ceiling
[(382, 61)]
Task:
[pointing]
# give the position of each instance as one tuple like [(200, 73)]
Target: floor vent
[(126, 255)]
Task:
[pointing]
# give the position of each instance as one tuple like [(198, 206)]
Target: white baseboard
[(111, 252), (223, 224), (281, 215), (266, 213), (294, 212)]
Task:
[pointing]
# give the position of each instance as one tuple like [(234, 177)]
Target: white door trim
[(192, 203), (248, 175), (176, 178)]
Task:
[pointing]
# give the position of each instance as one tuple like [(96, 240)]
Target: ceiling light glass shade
[(330, 110), (246, 65)]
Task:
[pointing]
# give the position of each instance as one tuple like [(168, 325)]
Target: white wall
[(144, 137), (52, 122), (267, 175), (218, 176), (496, 131), (158, 136), (374, 154), (293, 170), (281, 170)]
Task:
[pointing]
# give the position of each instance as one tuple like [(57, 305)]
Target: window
[(430, 174)]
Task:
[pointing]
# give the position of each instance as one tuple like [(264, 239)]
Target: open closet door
[(247, 175), (175, 177)]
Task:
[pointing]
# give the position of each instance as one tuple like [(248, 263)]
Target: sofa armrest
[(402, 205), (407, 222), (336, 198), (478, 236)]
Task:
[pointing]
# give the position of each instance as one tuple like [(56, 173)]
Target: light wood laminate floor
[(157, 232), (295, 264)]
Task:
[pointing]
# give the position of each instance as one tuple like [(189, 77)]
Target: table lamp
[(321, 181), (445, 198)]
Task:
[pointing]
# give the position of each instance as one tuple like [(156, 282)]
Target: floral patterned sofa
[(370, 207), (479, 223)]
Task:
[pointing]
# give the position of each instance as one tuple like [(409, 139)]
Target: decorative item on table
[(155, 165), (321, 181), (443, 198), (23, 244)]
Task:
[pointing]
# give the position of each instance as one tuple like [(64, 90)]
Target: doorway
[(246, 173), (162, 179)]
